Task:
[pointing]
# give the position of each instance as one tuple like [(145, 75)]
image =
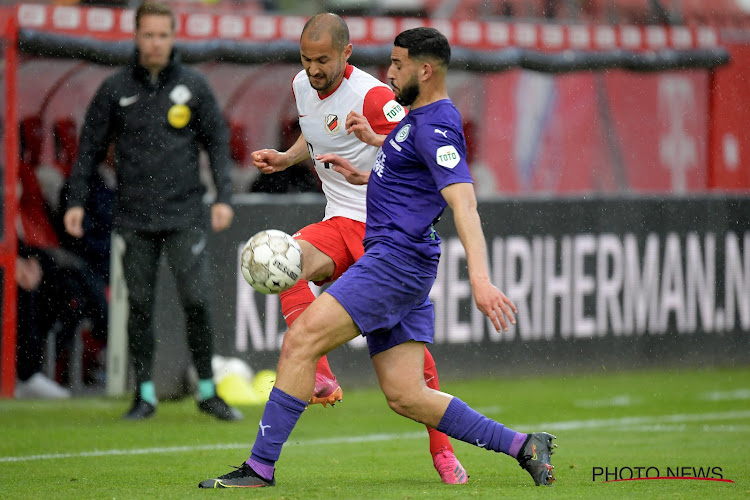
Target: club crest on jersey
[(393, 111), (332, 123), (402, 134), (447, 156)]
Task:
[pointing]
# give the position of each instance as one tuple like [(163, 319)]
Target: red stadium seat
[(237, 142), (32, 138), (66, 144), (34, 215)]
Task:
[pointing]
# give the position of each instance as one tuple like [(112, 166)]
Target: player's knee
[(403, 407), (401, 401), (297, 345)]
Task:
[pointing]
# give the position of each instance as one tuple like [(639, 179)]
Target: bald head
[(329, 24)]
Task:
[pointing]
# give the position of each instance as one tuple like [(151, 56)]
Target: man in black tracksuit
[(157, 112)]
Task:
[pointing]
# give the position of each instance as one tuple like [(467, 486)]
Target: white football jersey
[(322, 121)]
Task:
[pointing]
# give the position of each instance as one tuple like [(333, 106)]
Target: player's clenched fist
[(269, 161)]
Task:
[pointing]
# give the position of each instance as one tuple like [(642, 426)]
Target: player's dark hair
[(425, 43), (149, 8), (330, 23)]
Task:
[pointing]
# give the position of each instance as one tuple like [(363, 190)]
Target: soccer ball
[(271, 261)]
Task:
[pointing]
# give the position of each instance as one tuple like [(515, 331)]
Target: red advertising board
[(730, 114), (604, 132)]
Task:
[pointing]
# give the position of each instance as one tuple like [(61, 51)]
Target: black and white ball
[(271, 261)]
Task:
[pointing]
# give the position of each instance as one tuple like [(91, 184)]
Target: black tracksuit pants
[(185, 250)]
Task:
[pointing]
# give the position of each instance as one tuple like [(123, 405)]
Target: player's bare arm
[(345, 168), (489, 299), (269, 161), (357, 124)]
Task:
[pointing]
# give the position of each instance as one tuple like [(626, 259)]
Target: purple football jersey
[(423, 154)]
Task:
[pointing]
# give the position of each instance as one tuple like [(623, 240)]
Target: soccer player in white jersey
[(420, 169), (338, 104)]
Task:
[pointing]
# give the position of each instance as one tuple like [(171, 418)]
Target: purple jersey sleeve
[(442, 149), (422, 155)]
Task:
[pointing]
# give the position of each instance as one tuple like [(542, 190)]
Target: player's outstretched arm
[(269, 161), (491, 301), (358, 125), (345, 168)]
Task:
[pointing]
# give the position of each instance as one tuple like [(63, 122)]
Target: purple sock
[(265, 471), (279, 418), (462, 422)]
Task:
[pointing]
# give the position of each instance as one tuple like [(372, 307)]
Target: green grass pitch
[(360, 449)]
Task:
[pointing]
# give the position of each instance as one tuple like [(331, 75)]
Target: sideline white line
[(227, 446), (108, 453), (685, 428), (656, 419), (552, 426), (727, 395)]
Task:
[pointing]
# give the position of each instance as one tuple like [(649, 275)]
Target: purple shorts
[(389, 304)]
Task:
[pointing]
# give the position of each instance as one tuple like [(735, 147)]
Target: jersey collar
[(347, 73)]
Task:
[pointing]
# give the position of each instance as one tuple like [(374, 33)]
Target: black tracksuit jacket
[(157, 129)]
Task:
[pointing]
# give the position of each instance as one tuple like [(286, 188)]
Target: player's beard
[(327, 85), (407, 94)]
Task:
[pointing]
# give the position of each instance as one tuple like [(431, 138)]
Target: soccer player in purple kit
[(384, 296)]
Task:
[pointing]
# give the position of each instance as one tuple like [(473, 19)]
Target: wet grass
[(678, 419)]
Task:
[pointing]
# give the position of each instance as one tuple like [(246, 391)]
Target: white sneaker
[(40, 387)]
